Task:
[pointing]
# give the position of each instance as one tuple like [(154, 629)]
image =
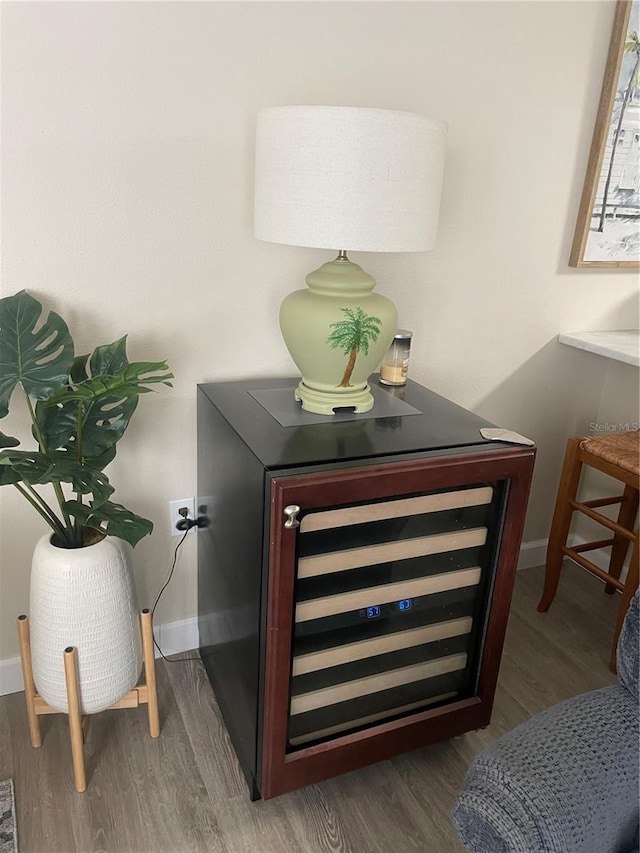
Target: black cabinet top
[(412, 419)]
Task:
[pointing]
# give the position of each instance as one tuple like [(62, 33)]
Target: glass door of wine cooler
[(388, 603)]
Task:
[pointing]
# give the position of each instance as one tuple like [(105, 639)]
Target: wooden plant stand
[(78, 723)]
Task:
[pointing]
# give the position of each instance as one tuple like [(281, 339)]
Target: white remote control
[(508, 435)]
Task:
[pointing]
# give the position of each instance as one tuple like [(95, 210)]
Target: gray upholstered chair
[(565, 781)]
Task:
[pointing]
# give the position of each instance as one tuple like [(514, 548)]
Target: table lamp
[(347, 179)]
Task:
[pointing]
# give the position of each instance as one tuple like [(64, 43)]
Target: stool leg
[(562, 514), (24, 640), (626, 519), (75, 718), (630, 586), (150, 673)]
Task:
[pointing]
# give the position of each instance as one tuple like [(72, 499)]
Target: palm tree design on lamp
[(352, 336)]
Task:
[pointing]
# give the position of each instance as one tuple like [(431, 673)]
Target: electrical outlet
[(175, 516)]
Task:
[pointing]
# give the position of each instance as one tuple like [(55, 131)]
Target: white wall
[(127, 204)]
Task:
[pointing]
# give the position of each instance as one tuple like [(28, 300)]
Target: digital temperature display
[(376, 609)]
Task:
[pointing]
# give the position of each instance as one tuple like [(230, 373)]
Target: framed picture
[(608, 228)]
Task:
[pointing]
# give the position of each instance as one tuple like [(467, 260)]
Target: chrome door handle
[(291, 512)]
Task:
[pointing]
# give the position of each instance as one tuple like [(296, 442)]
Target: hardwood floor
[(184, 792)]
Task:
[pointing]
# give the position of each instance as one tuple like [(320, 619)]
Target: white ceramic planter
[(84, 597)]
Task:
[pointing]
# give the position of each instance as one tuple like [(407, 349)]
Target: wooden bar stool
[(617, 455)]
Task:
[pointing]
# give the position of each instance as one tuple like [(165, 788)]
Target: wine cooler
[(354, 577)]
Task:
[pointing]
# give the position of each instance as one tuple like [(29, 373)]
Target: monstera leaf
[(103, 423), (17, 466), (38, 356), (128, 382), (108, 359), (96, 406), (99, 420), (112, 519), (35, 468), (8, 441), (84, 479)]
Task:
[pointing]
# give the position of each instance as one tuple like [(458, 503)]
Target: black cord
[(155, 603)]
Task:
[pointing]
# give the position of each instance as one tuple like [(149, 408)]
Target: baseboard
[(535, 553), (181, 636), (532, 554), (10, 676), (176, 637), (172, 637)]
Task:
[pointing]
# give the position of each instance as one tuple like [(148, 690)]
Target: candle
[(395, 364)]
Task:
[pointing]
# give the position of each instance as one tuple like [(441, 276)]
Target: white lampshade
[(349, 178)]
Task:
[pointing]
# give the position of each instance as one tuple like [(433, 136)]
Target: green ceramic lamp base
[(325, 403), (337, 332)]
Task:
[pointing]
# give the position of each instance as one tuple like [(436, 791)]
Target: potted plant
[(81, 583)]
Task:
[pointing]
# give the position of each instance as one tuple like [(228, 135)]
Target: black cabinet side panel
[(230, 495)]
